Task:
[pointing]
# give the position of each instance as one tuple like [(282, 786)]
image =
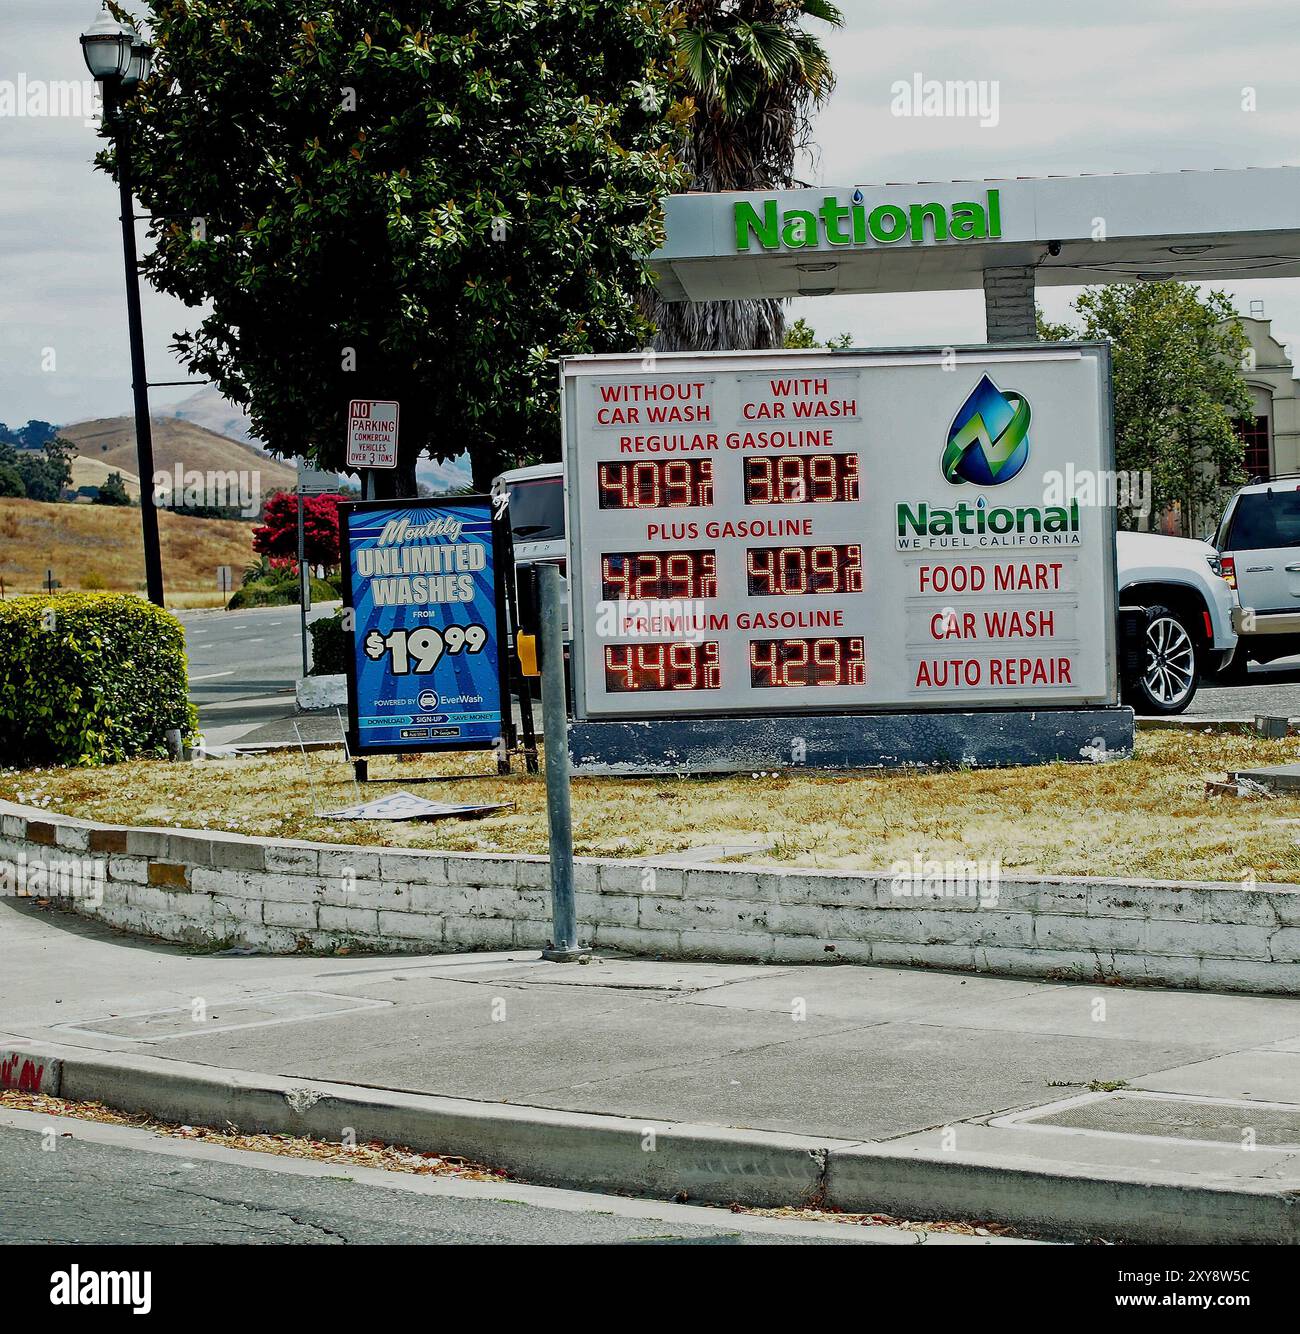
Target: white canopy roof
[(1192, 225)]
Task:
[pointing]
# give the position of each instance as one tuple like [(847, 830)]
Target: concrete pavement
[(1183, 1092)]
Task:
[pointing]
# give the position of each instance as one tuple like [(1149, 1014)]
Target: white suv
[(1187, 618), (1259, 551), (1171, 584)]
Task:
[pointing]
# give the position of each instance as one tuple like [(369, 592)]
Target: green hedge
[(279, 593), (90, 678), (330, 645)]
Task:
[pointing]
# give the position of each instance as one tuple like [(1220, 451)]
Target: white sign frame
[(1071, 426)]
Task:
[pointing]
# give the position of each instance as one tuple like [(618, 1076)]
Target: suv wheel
[(1171, 671)]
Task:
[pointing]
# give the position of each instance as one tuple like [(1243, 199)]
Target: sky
[(1108, 85)]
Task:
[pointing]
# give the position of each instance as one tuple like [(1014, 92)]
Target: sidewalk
[(876, 1060)]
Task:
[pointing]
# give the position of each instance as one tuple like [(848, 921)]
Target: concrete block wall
[(1009, 303), (225, 889)]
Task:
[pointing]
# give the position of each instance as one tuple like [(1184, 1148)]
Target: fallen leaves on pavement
[(883, 1220), (396, 1158), (386, 1157)]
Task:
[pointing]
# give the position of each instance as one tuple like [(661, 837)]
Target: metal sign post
[(304, 585), (555, 727), (311, 482)]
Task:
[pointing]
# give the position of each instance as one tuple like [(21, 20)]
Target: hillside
[(98, 546), (112, 441), (90, 472)]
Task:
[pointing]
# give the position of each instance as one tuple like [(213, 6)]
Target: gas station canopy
[(928, 236)]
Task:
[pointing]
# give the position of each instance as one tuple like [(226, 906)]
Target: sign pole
[(555, 726), (304, 583)]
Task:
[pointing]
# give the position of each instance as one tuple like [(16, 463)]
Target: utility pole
[(139, 378), (119, 59)]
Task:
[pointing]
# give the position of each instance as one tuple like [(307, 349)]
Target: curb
[(678, 1160), (1181, 723)]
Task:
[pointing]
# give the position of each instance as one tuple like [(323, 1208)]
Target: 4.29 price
[(419, 651)]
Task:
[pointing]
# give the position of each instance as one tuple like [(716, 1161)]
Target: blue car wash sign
[(427, 668)]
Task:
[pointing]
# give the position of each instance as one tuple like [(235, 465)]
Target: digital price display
[(662, 667), (807, 662), (793, 480), (636, 575), (768, 532), (657, 485), (793, 571)]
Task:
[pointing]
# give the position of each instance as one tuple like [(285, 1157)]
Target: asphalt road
[(65, 1181), (243, 666), (1274, 689)]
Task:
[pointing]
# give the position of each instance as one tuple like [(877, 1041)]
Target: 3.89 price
[(418, 651)]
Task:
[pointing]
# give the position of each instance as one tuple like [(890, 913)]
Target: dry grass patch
[(100, 547), (1146, 817)]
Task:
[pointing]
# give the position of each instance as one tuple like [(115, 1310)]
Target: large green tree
[(1178, 358), (420, 200), (37, 473), (756, 76)]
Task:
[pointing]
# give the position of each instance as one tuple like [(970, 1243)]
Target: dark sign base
[(850, 741)]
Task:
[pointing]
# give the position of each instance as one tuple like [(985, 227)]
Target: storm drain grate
[(199, 1020)]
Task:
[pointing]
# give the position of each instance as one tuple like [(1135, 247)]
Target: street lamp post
[(118, 58)]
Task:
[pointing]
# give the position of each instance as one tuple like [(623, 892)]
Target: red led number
[(789, 571), (647, 485), (636, 575), (807, 662), (647, 667), (808, 479)]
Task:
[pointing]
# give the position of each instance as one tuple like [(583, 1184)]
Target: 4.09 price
[(418, 651)]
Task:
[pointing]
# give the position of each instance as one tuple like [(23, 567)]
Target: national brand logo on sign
[(835, 223), (988, 441)]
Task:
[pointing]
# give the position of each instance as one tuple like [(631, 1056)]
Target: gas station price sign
[(851, 532)]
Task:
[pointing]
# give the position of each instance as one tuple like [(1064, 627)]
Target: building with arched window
[(1272, 434)]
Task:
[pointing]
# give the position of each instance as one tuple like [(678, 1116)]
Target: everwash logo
[(842, 224)]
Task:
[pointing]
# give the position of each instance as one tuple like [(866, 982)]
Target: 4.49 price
[(418, 651)]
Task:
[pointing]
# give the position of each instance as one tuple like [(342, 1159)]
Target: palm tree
[(756, 77)]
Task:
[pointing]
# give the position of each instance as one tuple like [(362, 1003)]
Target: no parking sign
[(372, 433)]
